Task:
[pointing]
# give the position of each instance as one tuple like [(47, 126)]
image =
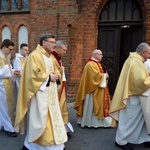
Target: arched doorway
[(120, 28)]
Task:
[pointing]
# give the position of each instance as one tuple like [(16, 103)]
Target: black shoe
[(68, 135), (24, 148), (11, 134), (125, 147), (147, 144)]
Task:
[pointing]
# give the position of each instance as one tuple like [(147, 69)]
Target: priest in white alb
[(130, 104), (38, 100)]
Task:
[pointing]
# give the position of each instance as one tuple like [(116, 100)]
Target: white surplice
[(39, 108), (131, 125), (89, 119), (17, 65), (5, 120), (145, 104)]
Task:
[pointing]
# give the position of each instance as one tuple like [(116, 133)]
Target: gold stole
[(63, 102), (8, 89), (61, 91), (54, 132)]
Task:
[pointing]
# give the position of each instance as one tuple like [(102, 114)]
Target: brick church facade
[(80, 24)]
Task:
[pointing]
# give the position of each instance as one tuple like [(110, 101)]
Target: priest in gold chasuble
[(57, 54), (128, 100), (93, 99), (38, 100)]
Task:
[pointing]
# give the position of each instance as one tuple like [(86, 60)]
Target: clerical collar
[(20, 55), (94, 59)]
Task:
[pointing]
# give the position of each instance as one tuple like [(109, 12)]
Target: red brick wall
[(75, 23), (83, 33)]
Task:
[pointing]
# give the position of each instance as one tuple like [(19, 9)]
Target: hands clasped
[(17, 72), (54, 77)]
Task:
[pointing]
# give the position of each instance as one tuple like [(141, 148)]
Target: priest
[(38, 100), (127, 103), (57, 54), (93, 99)]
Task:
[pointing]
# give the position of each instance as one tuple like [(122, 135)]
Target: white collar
[(94, 59)]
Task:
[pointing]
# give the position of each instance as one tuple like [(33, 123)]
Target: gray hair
[(46, 36), (95, 51), (61, 43), (141, 47)]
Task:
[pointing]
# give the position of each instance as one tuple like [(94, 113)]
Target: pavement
[(81, 139)]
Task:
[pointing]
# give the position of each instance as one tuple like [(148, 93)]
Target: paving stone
[(81, 139)]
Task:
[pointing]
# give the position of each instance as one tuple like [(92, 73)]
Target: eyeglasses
[(99, 54), (10, 49), (50, 42), (64, 49)]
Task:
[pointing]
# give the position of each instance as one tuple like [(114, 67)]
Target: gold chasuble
[(46, 126), (62, 90), (8, 83), (129, 82), (22, 61), (91, 79)]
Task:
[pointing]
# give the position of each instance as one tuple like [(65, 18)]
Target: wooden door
[(116, 43), (109, 43), (119, 32), (130, 38)]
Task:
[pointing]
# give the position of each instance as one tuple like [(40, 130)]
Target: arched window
[(22, 36), (6, 34), (122, 10)]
